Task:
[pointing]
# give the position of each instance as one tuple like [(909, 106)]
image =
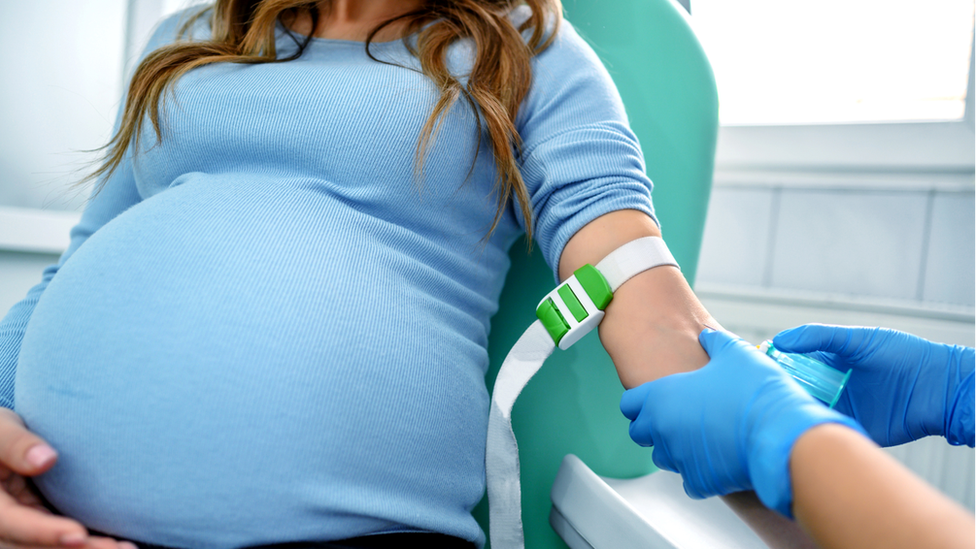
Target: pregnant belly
[(208, 376)]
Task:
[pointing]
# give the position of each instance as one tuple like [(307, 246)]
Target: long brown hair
[(244, 32)]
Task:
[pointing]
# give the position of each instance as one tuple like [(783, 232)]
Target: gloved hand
[(729, 426), (902, 388)]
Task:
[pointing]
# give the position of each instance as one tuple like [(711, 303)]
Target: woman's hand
[(24, 521), (902, 387)]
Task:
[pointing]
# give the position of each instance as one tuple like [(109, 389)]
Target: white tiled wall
[(905, 245)]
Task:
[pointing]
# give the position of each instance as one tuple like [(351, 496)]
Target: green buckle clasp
[(575, 307)]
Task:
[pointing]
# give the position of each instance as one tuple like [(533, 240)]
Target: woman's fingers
[(36, 528), (92, 543), (24, 522), (107, 543), (20, 489), (20, 450), (23, 525)]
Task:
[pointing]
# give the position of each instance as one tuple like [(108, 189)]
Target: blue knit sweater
[(266, 330)]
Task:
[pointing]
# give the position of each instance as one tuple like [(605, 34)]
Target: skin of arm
[(652, 324), (848, 493)]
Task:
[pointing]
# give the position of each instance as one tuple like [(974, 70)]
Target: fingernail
[(41, 455), (127, 545), (73, 540)]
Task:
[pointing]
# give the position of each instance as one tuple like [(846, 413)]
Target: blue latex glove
[(902, 387), (729, 426)]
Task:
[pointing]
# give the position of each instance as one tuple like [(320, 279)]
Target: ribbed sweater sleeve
[(112, 196), (579, 157)]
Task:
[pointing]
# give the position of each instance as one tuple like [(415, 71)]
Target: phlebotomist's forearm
[(847, 493)]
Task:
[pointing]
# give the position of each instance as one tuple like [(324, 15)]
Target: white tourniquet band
[(523, 361)]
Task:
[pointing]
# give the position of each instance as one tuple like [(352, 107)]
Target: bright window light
[(837, 61)]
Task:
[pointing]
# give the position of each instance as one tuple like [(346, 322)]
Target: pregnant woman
[(271, 323)]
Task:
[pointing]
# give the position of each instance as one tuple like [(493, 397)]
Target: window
[(838, 61), (845, 85)]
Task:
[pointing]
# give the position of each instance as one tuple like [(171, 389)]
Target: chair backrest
[(571, 406)]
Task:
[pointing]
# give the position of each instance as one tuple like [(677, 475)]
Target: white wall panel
[(949, 267), (866, 243), (736, 236)]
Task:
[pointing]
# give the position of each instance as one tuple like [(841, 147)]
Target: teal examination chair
[(571, 406)]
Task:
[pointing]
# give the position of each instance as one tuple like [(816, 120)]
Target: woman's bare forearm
[(651, 327)]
